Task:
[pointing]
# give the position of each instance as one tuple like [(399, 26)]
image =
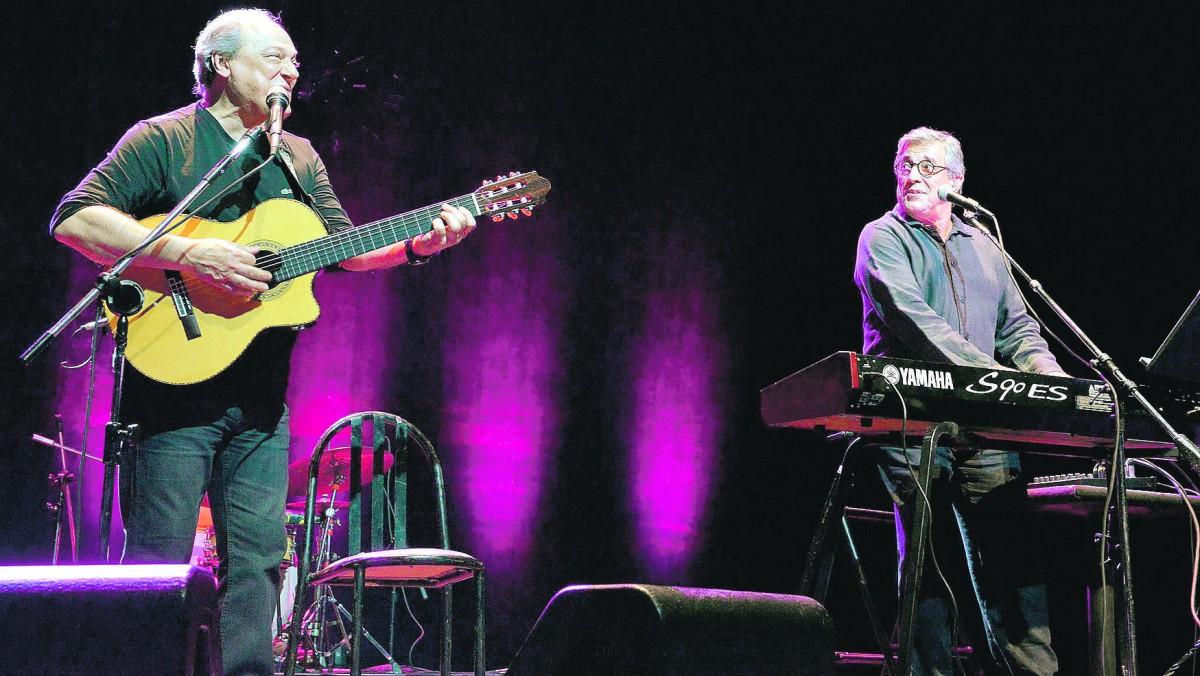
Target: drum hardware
[(318, 650), (61, 506), (325, 619), (325, 501)]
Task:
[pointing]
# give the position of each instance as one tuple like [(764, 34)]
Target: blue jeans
[(241, 462), (986, 492)]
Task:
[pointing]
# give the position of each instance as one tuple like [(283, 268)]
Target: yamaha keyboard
[(852, 392)]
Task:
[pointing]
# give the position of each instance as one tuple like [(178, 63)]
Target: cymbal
[(335, 467), (298, 503)]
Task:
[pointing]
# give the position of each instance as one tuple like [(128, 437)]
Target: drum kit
[(324, 636)]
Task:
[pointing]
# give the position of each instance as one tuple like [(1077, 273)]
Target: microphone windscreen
[(278, 93), (943, 192)]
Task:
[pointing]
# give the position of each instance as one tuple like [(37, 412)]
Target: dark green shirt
[(951, 301), (150, 169)]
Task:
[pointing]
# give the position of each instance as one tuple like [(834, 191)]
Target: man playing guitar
[(226, 436)]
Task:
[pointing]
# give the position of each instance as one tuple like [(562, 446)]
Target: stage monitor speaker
[(636, 629), (134, 619)]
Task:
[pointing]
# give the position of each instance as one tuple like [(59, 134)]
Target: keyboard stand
[(917, 545), (818, 566)]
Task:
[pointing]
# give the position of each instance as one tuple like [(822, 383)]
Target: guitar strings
[(309, 256), (310, 252), (406, 220), (413, 219)]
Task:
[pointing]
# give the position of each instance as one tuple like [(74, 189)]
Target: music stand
[(1179, 355)]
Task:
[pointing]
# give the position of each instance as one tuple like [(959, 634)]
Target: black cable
[(1115, 474), (387, 489), (1105, 525), (184, 217), (87, 419), (420, 627), (1194, 527), (998, 241), (1179, 663), (954, 632)]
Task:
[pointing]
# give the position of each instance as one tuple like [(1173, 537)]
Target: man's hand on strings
[(227, 266)]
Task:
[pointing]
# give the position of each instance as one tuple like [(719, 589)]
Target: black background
[(760, 135)]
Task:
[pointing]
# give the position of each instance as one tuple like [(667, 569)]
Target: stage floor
[(406, 671)]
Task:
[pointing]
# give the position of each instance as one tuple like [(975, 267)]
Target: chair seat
[(431, 568)]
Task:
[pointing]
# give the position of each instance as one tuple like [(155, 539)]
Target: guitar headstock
[(517, 193)]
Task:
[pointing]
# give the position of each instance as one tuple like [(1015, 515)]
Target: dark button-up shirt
[(951, 301)]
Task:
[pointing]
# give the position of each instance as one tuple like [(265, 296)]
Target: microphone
[(277, 104), (949, 195), (970, 205)]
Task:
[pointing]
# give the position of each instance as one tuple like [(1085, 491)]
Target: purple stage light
[(72, 396), (96, 576), (339, 365), (675, 425), (501, 379)]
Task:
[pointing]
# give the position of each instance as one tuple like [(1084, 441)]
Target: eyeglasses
[(928, 169)]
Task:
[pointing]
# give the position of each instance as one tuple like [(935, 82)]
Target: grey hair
[(925, 136), (223, 35)]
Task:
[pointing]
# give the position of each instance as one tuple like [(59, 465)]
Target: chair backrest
[(378, 434)]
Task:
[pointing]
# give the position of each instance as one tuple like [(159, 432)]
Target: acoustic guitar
[(189, 331)]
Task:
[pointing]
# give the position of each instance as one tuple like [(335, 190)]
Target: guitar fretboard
[(301, 259)]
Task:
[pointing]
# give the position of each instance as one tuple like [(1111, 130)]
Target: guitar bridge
[(183, 305)]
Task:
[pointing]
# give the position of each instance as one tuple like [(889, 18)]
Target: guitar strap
[(285, 157)]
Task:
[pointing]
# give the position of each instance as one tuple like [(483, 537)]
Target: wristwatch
[(412, 256)]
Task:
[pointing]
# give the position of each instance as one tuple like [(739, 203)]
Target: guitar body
[(228, 323)]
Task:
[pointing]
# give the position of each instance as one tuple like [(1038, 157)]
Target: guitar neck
[(301, 259)]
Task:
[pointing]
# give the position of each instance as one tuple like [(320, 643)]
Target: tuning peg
[(528, 211), (484, 182), (499, 177), (512, 215), (513, 173), (497, 218)]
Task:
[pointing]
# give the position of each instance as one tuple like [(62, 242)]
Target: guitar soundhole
[(268, 259)]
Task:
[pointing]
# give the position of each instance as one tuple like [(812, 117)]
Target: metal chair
[(386, 561)]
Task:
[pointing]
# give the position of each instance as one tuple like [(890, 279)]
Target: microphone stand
[(1123, 388), (124, 298), (120, 440)]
